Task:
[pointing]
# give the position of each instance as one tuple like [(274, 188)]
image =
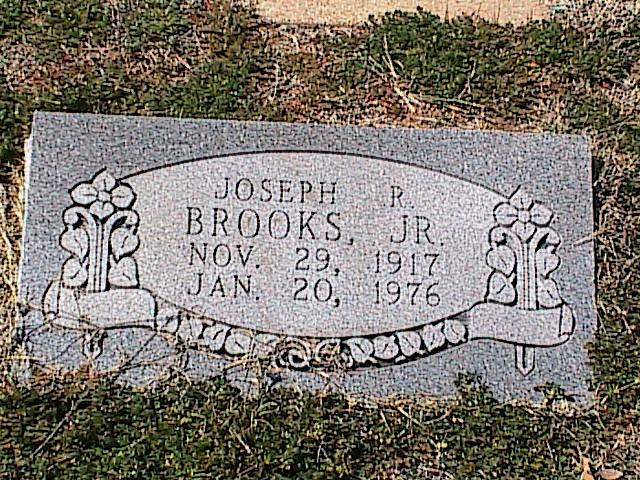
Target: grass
[(184, 430), (576, 74)]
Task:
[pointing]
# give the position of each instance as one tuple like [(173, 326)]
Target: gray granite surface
[(383, 261)]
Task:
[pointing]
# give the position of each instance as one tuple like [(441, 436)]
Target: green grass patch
[(210, 430)]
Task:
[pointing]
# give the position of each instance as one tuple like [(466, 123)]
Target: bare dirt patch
[(353, 11)]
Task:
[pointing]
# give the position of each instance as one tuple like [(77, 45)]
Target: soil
[(346, 12)]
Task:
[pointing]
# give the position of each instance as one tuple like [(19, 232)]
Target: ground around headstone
[(576, 74)]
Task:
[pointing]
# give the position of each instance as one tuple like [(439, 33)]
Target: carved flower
[(102, 195), (522, 214)]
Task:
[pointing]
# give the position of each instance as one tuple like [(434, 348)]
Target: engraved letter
[(246, 288), (304, 224), (226, 190), (218, 287), (331, 192), (199, 283), (248, 190), (203, 255), (285, 188), (266, 189), (396, 194), (305, 187), (273, 223), (219, 253), (244, 259), (249, 223), (404, 230), (330, 220), (221, 221), (420, 230), (194, 219)]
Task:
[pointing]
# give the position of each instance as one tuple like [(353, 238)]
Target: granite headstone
[(383, 261)]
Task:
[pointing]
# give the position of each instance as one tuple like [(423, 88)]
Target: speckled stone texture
[(382, 261)]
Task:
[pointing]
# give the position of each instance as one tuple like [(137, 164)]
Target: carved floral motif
[(103, 196), (299, 353), (522, 214), (101, 236), (523, 256)]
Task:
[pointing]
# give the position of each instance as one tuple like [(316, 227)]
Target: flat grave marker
[(385, 261)]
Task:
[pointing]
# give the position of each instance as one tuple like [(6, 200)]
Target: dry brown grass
[(28, 73), (11, 214), (301, 93), (157, 63), (591, 15), (387, 101)]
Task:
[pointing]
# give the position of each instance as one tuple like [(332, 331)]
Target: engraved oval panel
[(313, 244)]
